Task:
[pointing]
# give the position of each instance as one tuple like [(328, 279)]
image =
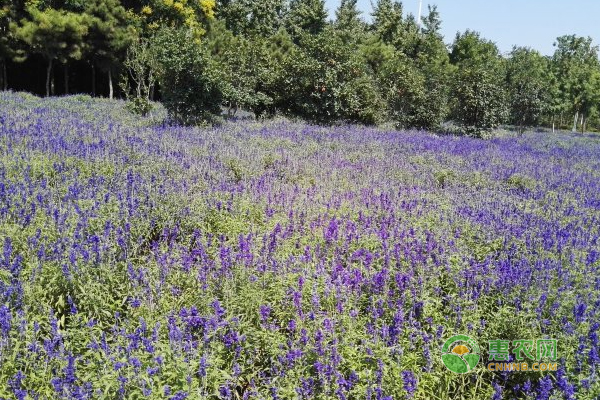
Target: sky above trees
[(534, 23)]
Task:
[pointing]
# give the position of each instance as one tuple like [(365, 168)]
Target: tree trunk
[(581, 122), (575, 121), (93, 80), (4, 76), (110, 84), (553, 117), (66, 71), (48, 77)]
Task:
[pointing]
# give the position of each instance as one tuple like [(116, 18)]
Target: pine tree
[(56, 35), (432, 24), (252, 18), (111, 32), (347, 16), (7, 13), (308, 16), (387, 20)]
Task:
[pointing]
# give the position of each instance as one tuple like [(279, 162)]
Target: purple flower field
[(277, 260)]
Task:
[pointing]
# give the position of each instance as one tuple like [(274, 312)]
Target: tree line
[(285, 57)]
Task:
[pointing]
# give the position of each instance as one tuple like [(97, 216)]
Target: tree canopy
[(286, 57)]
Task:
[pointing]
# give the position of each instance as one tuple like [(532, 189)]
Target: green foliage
[(54, 34), (411, 96), (444, 177), (348, 22), (306, 16), (520, 182), (139, 105), (274, 51), (252, 18), (111, 31), (528, 83), (7, 12), (577, 68), (433, 61), (480, 103), (411, 66), (245, 69), (480, 98), (193, 16), (404, 91), (325, 81), (284, 56), (190, 81), (142, 70), (387, 20)]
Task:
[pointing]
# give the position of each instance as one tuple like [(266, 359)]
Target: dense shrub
[(480, 102), (190, 80), (246, 70), (325, 81)]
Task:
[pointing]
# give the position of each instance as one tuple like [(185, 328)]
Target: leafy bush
[(405, 93), (245, 70), (139, 105), (480, 103), (141, 67), (325, 81), (190, 81)]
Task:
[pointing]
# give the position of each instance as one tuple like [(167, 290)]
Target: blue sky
[(533, 23)]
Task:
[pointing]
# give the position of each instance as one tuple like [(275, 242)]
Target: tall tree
[(480, 98), (432, 24), (577, 69), (308, 16), (191, 82), (141, 63), (56, 35), (528, 79), (410, 39), (193, 15), (110, 34), (387, 20), (252, 18), (403, 88), (411, 66), (244, 65), (348, 22), (7, 13), (324, 80), (433, 46), (432, 60)]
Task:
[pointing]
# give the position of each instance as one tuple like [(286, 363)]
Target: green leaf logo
[(460, 354)]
